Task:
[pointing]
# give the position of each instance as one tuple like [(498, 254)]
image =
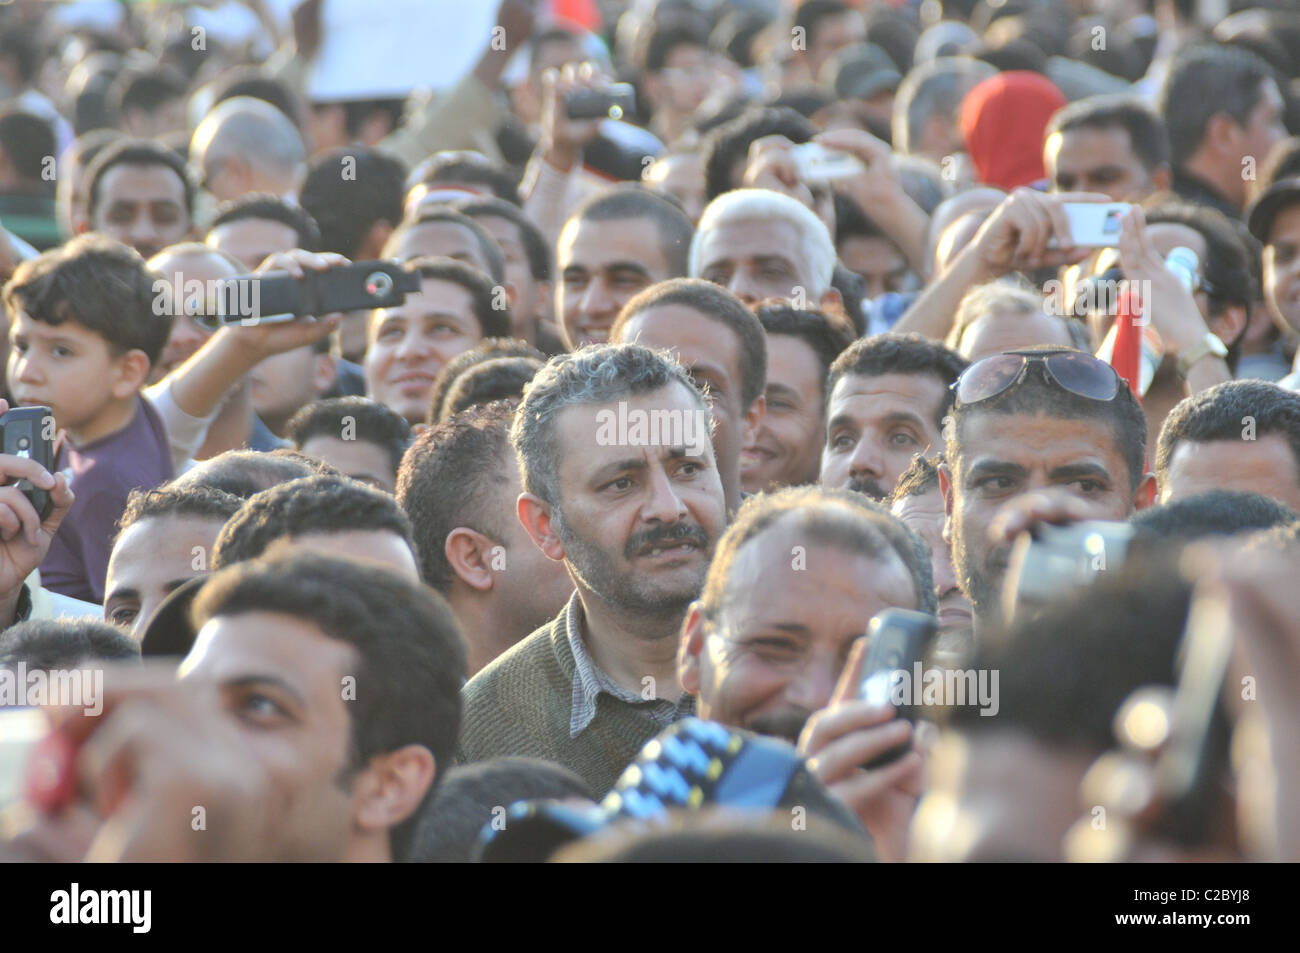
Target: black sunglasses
[(1074, 371)]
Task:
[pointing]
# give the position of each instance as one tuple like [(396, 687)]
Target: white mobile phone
[(1094, 225), (816, 163)]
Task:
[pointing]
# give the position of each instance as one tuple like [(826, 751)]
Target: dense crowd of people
[(756, 454)]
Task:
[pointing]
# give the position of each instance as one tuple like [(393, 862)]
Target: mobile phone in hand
[(613, 102), (359, 286), (29, 432), (898, 640)]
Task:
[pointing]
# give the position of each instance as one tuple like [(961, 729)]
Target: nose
[(743, 286), (867, 459), (143, 231), (597, 304), (811, 689), (24, 369), (662, 504), (412, 347), (945, 576)]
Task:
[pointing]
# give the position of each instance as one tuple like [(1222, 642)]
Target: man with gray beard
[(634, 521)]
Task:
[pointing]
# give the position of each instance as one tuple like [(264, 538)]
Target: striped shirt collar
[(590, 681)]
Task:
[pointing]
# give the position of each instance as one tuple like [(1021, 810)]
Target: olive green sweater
[(522, 702)]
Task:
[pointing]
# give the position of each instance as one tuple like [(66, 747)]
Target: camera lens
[(378, 284)]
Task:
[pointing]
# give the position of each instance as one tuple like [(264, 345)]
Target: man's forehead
[(129, 180), (693, 337), (273, 645), (192, 266), (751, 238), (768, 564), (1035, 440), (1077, 146), (445, 239), (582, 428), (878, 394), (593, 244)]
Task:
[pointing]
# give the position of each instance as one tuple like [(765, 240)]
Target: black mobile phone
[(614, 101), (899, 639), (29, 432), (359, 286)]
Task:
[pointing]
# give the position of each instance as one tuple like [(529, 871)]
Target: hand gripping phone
[(360, 286), (29, 432), (613, 102), (899, 640)]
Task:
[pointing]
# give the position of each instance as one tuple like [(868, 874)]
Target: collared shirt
[(589, 681), (1189, 186)]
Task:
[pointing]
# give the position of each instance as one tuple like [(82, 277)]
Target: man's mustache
[(868, 488), (676, 533), (786, 724)]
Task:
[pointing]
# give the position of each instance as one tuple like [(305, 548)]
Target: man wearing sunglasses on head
[(1042, 434)]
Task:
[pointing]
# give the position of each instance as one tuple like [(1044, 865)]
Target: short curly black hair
[(411, 655), (314, 505), (171, 500), (371, 422)]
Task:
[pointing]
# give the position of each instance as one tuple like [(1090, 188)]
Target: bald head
[(247, 145)]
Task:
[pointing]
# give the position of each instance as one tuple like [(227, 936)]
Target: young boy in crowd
[(83, 336)]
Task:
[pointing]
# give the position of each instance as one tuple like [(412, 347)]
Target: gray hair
[(595, 374), (816, 248), (251, 129), (935, 87)]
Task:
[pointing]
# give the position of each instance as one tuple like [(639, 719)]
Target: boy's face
[(70, 369)]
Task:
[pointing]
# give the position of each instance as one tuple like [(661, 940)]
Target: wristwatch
[(1210, 344)]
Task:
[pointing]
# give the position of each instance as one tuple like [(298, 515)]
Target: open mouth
[(667, 549)]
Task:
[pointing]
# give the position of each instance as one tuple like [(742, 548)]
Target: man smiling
[(408, 344)]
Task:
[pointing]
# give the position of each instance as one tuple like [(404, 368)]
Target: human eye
[(122, 615), (774, 648), (995, 484), (902, 438), (258, 708), (1088, 486)]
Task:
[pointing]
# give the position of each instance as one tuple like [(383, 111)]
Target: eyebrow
[(781, 390), (987, 468), (791, 628), (1094, 470), (618, 466), (638, 464), (905, 417), (773, 259), (841, 420), (632, 266)]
